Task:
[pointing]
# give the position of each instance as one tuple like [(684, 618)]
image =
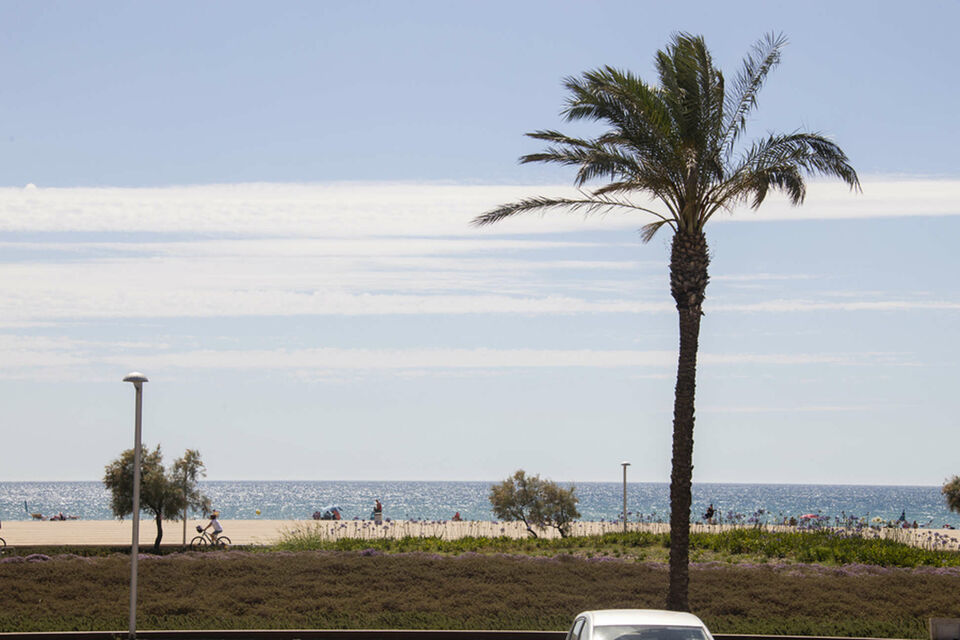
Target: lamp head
[(136, 378), (625, 463)]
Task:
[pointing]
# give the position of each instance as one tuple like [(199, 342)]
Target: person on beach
[(215, 523), (377, 507), (456, 517), (708, 516)]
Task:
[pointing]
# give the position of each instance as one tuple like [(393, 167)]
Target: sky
[(266, 210)]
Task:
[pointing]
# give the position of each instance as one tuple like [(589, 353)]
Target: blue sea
[(286, 500)]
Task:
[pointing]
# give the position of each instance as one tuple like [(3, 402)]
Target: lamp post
[(137, 379), (625, 465)]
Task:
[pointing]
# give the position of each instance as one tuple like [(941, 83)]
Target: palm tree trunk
[(688, 282)]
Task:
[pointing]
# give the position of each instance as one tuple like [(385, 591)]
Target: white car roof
[(653, 617)]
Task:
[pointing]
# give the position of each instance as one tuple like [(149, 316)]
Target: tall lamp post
[(625, 465), (137, 379)]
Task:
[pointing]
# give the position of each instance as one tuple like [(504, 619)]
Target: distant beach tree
[(165, 494), (559, 507), (674, 152), (535, 503), (951, 491), (186, 474)]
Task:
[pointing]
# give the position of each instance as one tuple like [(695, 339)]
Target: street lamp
[(137, 379), (625, 465)]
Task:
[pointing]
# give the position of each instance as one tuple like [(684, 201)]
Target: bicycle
[(205, 539)]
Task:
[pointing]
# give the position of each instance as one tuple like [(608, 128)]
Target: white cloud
[(342, 210), (789, 306), (328, 247), (833, 408), (365, 249), (61, 359), (759, 277), (292, 285), (413, 359), (40, 357), (92, 303), (345, 210), (881, 198)]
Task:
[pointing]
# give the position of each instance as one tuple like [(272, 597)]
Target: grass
[(823, 547), (746, 581), (732, 545), (305, 540)]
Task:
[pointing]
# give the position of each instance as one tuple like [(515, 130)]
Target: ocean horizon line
[(491, 481), (616, 481), (440, 500)]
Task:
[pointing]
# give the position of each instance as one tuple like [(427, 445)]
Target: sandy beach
[(255, 532), (116, 532)]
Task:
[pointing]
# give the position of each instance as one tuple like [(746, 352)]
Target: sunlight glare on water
[(297, 500)]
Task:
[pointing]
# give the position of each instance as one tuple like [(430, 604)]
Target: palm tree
[(674, 153)]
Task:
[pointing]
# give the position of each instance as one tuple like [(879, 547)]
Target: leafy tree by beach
[(534, 502), (165, 494), (186, 473), (559, 507), (673, 151), (951, 491)]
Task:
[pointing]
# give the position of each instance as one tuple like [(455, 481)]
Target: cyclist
[(217, 528)]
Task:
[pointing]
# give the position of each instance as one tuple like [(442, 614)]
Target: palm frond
[(595, 161), (613, 95), (588, 205), (780, 162), (649, 230), (638, 117), (675, 141), (639, 137), (555, 136), (660, 188), (812, 153), (711, 90), (743, 99), (693, 89)]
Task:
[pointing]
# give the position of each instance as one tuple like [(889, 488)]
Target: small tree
[(187, 472), (951, 491), (534, 502), (161, 493), (559, 507)]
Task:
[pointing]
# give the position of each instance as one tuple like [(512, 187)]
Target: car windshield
[(647, 632)]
